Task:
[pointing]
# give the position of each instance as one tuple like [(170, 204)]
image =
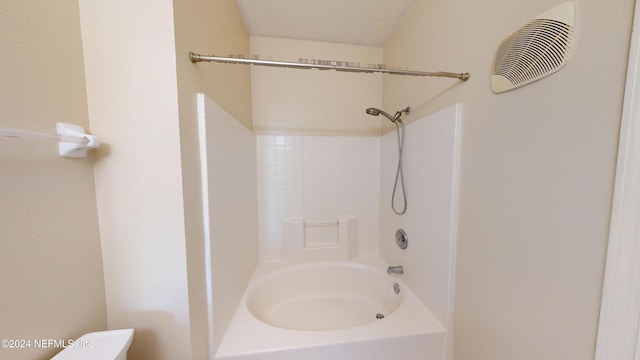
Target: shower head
[(376, 112)]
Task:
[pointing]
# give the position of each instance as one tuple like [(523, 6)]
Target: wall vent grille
[(538, 49)]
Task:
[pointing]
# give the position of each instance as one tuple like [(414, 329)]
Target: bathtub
[(330, 310)]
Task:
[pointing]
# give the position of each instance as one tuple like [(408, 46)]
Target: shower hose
[(399, 174)]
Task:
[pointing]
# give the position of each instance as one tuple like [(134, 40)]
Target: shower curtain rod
[(324, 65)]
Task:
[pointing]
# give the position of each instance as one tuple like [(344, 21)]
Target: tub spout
[(395, 270)]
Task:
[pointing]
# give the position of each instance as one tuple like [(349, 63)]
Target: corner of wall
[(205, 27), (130, 65)]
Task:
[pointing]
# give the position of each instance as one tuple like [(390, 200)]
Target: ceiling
[(357, 22)]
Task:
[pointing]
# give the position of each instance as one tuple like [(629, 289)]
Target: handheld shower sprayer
[(376, 112), (399, 175)]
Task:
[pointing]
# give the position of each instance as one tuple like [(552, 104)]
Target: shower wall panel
[(231, 225), (431, 154), (318, 179)]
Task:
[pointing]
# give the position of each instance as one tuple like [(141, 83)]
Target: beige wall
[(212, 27), (315, 102), (130, 66), (51, 283), (206, 27), (537, 171)]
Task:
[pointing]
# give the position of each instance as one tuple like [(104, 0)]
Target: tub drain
[(379, 316)]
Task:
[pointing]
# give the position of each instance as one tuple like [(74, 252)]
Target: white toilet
[(102, 345)]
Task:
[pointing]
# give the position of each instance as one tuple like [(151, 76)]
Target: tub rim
[(260, 280)]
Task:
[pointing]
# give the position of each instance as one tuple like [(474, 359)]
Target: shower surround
[(431, 170), (332, 193)]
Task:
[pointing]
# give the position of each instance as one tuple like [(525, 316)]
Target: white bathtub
[(330, 310)]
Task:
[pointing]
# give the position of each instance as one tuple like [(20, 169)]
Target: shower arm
[(324, 65)]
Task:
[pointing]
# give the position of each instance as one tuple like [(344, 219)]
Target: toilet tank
[(102, 345)]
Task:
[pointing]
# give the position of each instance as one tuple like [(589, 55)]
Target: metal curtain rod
[(324, 65)]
